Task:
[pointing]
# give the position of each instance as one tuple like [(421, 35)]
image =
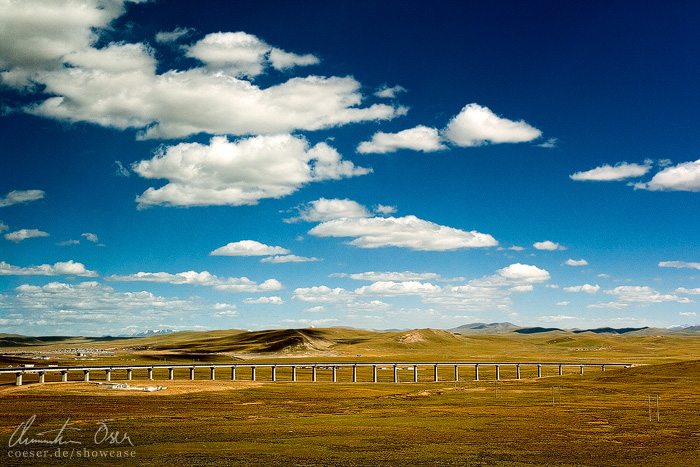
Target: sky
[(370, 164)]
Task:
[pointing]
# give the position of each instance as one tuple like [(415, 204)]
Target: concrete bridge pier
[(171, 373), (435, 373), (273, 370), (213, 373), (374, 373), (456, 373), (64, 376), (354, 373), (517, 369), (581, 370), (233, 373), (476, 372), (192, 373), (560, 370), (86, 375), (19, 378), (498, 372), (415, 373), (294, 373), (252, 373), (108, 375), (129, 373), (42, 374), (150, 373), (396, 374), (335, 374), (539, 370), (313, 374)]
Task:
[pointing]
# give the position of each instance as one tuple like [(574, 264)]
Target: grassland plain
[(598, 419)]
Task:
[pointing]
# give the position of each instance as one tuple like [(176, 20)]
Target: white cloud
[(118, 86), (288, 259), (610, 305), (225, 314), (322, 294), (60, 268), (244, 55), (515, 274), (384, 210), (395, 276), (387, 92), (682, 177), (90, 237), (607, 173), (477, 125), (3, 227), (563, 303), (20, 196), (679, 264), (315, 309), (265, 300), (407, 232), (688, 291), (24, 234), (68, 243), (637, 294), (587, 288), (551, 143), (323, 209), (548, 245), (91, 308), (33, 41), (389, 288), (576, 262), (240, 172), (168, 37), (420, 138), (249, 248), (205, 279), (687, 313), (557, 318)]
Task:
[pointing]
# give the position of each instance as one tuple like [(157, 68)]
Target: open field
[(598, 419)]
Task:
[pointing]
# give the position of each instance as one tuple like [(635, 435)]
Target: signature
[(24, 436)]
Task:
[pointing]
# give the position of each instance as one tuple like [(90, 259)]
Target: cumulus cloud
[(420, 138), (681, 177), (587, 288), (94, 309), (322, 210), (20, 196), (241, 172), (91, 237), (389, 288), (608, 173), (551, 143), (288, 259), (244, 55), (117, 85), (404, 276), (249, 248), (322, 294), (406, 232), (57, 269), (576, 262), (3, 227), (477, 125), (168, 37), (387, 92), (645, 295), (688, 291), (265, 301), (548, 245), (24, 234), (679, 264), (206, 279)]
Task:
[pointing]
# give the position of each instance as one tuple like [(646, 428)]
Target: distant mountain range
[(149, 333), (503, 328)]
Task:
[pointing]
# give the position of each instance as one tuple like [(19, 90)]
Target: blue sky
[(382, 165)]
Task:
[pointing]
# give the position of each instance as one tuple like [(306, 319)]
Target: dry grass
[(598, 419)]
